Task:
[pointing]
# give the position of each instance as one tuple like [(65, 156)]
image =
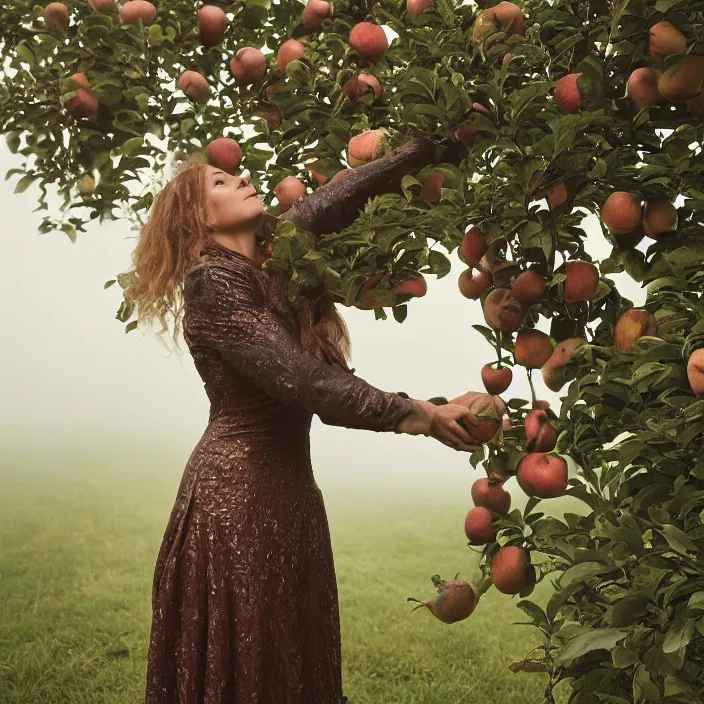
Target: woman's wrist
[(418, 421)]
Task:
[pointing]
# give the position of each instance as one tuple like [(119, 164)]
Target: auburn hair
[(169, 245)]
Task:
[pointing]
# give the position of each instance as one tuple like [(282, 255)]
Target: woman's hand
[(446, 426), (444, 423)]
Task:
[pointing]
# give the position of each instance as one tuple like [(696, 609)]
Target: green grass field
[(77, 553)]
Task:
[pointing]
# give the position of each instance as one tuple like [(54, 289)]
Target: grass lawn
[(77, 553)]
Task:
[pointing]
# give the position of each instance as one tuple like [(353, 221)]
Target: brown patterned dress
[(245, 607)]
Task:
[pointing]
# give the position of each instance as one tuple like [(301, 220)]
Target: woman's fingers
[(454, 435)]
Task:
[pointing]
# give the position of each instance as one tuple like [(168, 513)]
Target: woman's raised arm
[(334, 206)]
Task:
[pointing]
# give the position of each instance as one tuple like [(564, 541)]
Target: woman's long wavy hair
[(169, 245)]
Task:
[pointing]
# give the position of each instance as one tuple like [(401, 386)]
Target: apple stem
[(498, 348), (532, 390)]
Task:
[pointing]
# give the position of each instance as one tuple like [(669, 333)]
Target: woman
[(245, 607)]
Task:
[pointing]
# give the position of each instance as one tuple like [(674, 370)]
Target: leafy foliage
[(626, 622)]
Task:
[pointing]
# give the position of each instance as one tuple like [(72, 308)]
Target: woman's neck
[(242, 242)]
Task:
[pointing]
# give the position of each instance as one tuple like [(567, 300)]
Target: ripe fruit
[(509, 570), (194, 85), (417, 7), (288, 192), (642, 87), (496, 381), (508, 13), (467, 132), (540, 435), (271, 114), (473, 287), (659, 218), (314, 13), (558, 196), (224, 153), (502, 311), (367, 302), (532, 349), (473, 246), (543, 475), (84, 103), (248, 65), (290, 50), (552, 370), (491, 495), (493, 18), (415, 286), (665, 39), (581, 282), (489, 259), (212, 22), (621, 212), (369, 40), (101, 5), (365, 147), (683, 81), (479, 527), (631, 325), (273, 88), (528, 288), (456, 600), (135, 10), (486, 414), (432, 186), (567, 97), (695, 371), (360, 84), (319, 176), (56, 16), (86, 185)]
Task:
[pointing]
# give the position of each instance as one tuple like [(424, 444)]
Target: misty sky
[(69, 375)]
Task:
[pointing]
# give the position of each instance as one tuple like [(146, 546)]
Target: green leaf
[(534, 612), (400, 313), (132, 146), (629, 610), (678, 636), (598, 639), (581, 572), (446, 10), (25, 182), (678, 540), (439, 264), (13, 141)]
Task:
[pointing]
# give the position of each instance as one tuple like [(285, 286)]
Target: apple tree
[(560, 110)]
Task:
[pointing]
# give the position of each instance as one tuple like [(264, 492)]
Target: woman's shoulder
[(210, 277)]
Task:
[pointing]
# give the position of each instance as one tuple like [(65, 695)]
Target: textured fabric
[(245, 606)]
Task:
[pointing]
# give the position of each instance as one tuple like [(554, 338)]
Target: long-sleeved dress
[(245, 607)]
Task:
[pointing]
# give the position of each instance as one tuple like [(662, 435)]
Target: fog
[(71, 378)]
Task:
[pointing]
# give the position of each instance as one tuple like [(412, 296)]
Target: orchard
[(560, 111)]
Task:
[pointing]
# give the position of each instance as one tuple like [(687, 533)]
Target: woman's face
[(231, 202)]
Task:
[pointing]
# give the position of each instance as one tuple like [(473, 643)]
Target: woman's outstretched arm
[(225, 314), (334, 206)]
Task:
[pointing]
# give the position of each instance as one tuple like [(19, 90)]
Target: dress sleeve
[(225, 313), (335, 206)]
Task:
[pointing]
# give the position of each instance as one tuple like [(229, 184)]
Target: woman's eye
[(219, 181)]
